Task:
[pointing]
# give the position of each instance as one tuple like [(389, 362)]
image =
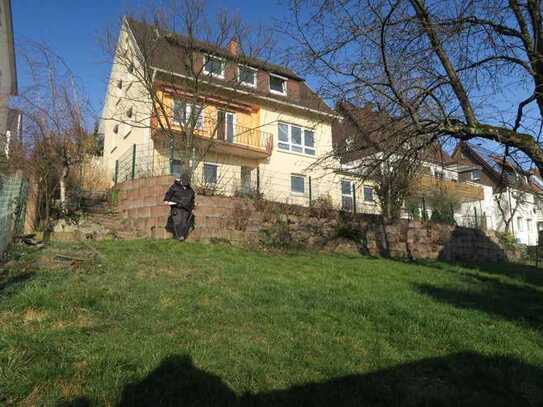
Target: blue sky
[(71, 28)]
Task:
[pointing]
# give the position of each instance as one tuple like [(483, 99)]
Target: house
[(512, 194), (365, 137), (259, 124), (8, 74)]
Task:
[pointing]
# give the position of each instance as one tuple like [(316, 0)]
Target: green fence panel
[(13, 194)]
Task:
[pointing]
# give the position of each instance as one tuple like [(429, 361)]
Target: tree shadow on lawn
[(519, 304), (462, 379), (8, 283)]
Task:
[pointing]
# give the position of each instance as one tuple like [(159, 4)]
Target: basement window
[(278, 84), (347, 195), (368, 194), (297, 184), (210, 174)]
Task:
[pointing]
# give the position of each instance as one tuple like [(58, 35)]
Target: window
[(529, 225), (476, 175), (116, 129), (438, 174), (120, 83), (226, 126), (368, 194), (247, 76), (297, 184), (129, 112), (186, 114), (520, 225), (346, 195), (210, 174), (296, 139), (213, 66), (278, 84), (131, 68)]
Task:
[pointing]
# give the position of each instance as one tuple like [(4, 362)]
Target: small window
[(520, 225), (210, 174), (116, 129), (476, 175), (529, 225), (368, 194), (129, 112), (120, 83), (438, 174), (247, 76), (131, 68), (297, 184), (213, 66), (278, 84), (346, 195)]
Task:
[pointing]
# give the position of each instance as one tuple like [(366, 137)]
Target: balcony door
[(225, 129)]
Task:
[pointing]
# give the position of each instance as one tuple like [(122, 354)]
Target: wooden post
[(310, 192), (116, 176), (133, 161), (354, 197)]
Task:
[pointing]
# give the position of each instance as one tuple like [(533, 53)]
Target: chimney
[(233, 47)]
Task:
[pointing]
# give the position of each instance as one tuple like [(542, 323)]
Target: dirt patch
[(33, 315)]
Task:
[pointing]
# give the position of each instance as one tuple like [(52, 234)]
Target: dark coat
[(182, 195)]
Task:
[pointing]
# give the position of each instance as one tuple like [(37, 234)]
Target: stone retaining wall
[(246, 221)]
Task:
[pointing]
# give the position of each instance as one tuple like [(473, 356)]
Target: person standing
[(180, 198)]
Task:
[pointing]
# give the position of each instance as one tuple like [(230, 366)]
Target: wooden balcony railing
[(464, 191), (229, 135)]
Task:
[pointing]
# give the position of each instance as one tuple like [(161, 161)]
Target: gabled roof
[(503, 172), (169, 48), (374, 132)]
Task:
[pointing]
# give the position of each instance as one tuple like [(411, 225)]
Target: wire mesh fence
[(13, 194)]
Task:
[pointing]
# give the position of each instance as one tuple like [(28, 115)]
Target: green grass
[(163, 323)]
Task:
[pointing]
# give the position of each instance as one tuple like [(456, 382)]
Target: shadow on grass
[(12, 281), (523, 305), (462, 379)]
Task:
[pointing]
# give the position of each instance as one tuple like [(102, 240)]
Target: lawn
[(155, 323)]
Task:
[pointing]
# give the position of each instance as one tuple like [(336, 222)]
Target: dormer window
[(247, 76), (278, 84), (214, 66)]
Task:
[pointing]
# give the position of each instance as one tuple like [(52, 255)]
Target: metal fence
[(13, 195)]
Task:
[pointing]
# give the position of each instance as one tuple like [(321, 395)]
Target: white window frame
[(188, 111), (529, 226), (297, 193), (285, 86), (212, 74), (250, 85), (291, 144), (473, 177), (520, 224), (372, 193), (204, 174), (350, 195)]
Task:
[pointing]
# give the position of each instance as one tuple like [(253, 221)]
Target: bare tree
[(56, 140), (449, 68), (164, 62)]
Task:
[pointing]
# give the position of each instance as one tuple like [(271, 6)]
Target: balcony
[(465, 192), (225, 138)]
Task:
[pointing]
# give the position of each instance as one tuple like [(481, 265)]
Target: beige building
[(8, 73), (260, 126)]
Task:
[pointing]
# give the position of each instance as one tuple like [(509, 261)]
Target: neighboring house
[(363, 136), (8, 75), (512, 194), (275, 127)]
